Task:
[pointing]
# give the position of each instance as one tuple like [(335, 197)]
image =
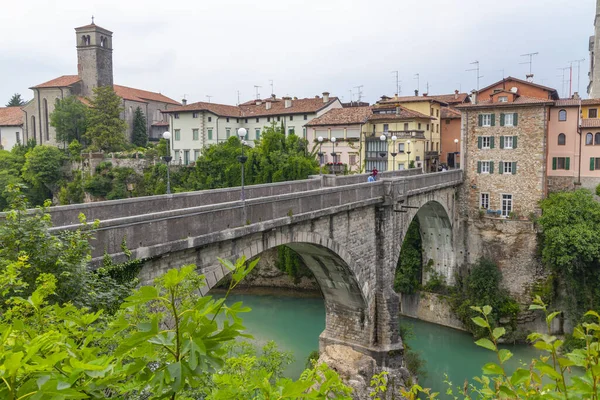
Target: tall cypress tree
[(15, 101), (106, 130), (140, 134)]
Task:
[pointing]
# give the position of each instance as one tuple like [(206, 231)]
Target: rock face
[(357, 369)]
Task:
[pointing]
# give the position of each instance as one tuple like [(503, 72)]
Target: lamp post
[(382, 154), (408, 152), (168, 158), (333, 139), (242, 159), (320, 139), (456, 153), (394, 152)]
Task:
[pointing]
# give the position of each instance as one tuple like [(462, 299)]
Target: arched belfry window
[(102, 41), (562, 139)]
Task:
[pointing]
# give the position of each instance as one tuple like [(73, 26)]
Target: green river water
[(295, 322)]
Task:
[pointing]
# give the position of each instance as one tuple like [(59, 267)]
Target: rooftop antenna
[(238, 93), (351, 96), (530, 62), (417, 77), (397, 83), (476, 63), (500, 70), (208, 97), (257, 94), (578, 70), (359, 87), (427, 87), (271, 83), (564, 81), (459, 87)]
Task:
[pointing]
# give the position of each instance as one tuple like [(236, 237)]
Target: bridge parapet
[(398, 189)]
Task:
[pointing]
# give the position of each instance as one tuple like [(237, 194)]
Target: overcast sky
[(218, 47)]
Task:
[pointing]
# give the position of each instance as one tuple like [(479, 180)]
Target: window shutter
[(501, 138), (480, 120), (478, 167), (567, 163), (479, 141), (491, 167), (514, 167), (501, 121), (553, 163), (515, 119), (491, 142), (493, 120), (592, 164), (514, 141)]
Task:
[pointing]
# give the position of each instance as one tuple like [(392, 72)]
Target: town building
[(594, 48), (504, 132), (11, 127), (94, 69), (197, 125)]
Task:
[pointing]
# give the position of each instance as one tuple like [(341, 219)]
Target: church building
[(94, 69)]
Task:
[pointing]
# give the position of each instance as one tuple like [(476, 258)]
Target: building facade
[(11, 127), (450, 127), (594, 49), (94, 69)]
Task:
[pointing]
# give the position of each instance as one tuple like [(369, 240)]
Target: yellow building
[(430, 108), (408, 127)]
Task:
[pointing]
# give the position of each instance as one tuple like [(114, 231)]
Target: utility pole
[(397, 83), (417, 77), (208, 97), (530, 62), (257, 94), (359, 90), (578, 70), (476, 63)]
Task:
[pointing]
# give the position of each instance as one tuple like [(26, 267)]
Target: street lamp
[(320, 139), (242, 159), (394, 153), (455, 153), (168, 158), (382, 154), (408, 152), (333, 149)]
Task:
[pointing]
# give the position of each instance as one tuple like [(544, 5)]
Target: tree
[(140, 134), (106, 130), (69, 118), (43, 167), (410, 263), (15, 101)]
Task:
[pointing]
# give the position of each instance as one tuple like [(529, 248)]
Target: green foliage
[(111, 183), (69, 119), (72, 192), (482, 287), (43, 166), (291, 263), (75, 150), (413, 360), (105, 129), (410, 264), (15, 101), (140, 133)]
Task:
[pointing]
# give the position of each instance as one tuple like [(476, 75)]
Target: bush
[(598, 190), (410, 263)]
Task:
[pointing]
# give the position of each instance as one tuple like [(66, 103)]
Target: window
[(508, 142), (304, 133), (589, 139), (237, 120), (352, 159), (597, 138), (47, 122), (246, 120), (419, 126), (210, 136), (427, 146), (257, 133), (485, 142), (594, 164), (278, 119), (437, 113), (593, 113), (291, 130), (437, 128), (386, 127), (485, 167), (427, 127), (195, 134), (485, 119), (406, 126), (484, 200), (561, 163), (431, 111), (257, 120), (186, 157), (196, 154), (195, 115), (268, 119), (401, 167), (507, 204), (177, 134), (176, 115), (305, 117), (291, 117), (502, 99), (508, 119), (506, 167), (562, 139), (401, 147), (227, 119), (209, 119), (228, 132), (562, 115)]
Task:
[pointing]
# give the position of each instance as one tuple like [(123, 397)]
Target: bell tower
[(94, 57)]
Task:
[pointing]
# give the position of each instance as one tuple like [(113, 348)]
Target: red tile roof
[(160, 123), (299, 106), (133, 94), (590, 123), (403, 115), (567, 103), (452, 99), (11, 116), (449, 113), (519, 101), (222, 110), (342, 116), (552, 91), (590, 102), (92, 25), (411, 99), (62, 81)]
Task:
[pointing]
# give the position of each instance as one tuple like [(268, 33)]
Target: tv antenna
[(271, 83), (417, 77), (578, 70), (398, 89), (359, 87), (208, 96), (351, 96), (530, 62), (238, 93), (257, 93), (476, 63), (564, 81)]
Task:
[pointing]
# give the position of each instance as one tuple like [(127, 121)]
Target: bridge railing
[(360, 178), (414, 184)]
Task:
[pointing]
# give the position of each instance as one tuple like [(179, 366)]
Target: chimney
[(258, 102), (474, 96), (295, 98), (416, 92), (325, 97), (184, 102), (456, 95), (317, 96), (273, 96), (529, 77), (576, 96), (425, 94), (288, 102), (268, 104)]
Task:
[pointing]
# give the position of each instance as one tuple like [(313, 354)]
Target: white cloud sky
[(216, 48)]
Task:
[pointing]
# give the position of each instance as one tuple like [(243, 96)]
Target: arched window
[(589, 139), (101, 41), (562, 139), (83, 40), (562, 115), (33, 127), (597, 138), (46, 122)]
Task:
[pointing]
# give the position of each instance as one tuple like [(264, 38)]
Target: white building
[(11, 127), (194, 126)]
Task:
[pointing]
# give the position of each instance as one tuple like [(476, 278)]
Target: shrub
[(598, 190)]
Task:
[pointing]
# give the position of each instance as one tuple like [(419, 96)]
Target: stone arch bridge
[(348, 232)]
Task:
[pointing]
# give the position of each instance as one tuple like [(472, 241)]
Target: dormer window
[(502, 99)]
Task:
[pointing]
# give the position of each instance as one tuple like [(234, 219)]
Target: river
[(295, 321)]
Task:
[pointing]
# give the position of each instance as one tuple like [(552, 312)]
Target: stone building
[(504, 147), (11, 127), (94, 68)]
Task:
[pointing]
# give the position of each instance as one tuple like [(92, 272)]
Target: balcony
[(337, 168), (401, 135), (429, 155)]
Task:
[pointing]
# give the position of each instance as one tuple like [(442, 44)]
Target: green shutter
[(480, 120), (553, 163), (210, 134), (478, 167), (501, 138), (567, 163), (592, 164), (514, 167), (491, 167), (501, 121), (491, 142), (515, 119), (514, 141), (493, 119), (501, 167), (479, 141)]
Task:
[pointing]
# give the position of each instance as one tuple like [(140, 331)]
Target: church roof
[(142, 96), (94, 26), (61, 81), (11, 116)]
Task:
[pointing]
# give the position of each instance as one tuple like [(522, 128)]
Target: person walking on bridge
[(373, 176)]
